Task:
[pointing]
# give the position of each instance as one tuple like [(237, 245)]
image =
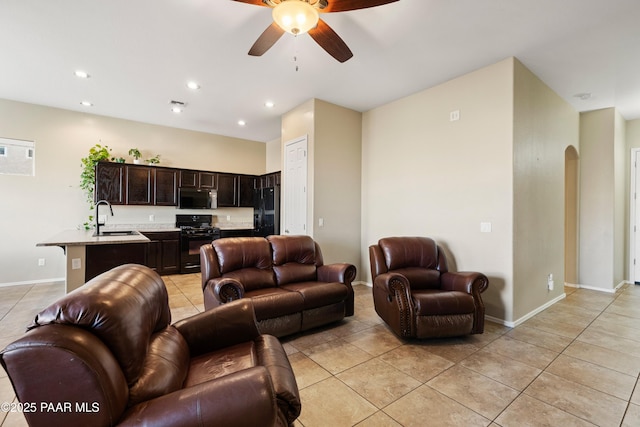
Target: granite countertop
[(86, 237)]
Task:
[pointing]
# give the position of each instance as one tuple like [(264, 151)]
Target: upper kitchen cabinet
[(140, 186), (198, 179), (109, 183), (166, 187), (120, 184), (235, 190), (269, 180)]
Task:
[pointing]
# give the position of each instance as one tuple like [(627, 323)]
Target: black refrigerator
[(266, 211)]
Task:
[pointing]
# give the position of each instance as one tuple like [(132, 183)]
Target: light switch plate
[(485, 227)]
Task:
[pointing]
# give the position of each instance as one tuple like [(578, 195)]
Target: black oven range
[(195, 231)]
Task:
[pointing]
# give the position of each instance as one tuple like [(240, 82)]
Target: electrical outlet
[(550, 282), (152, 217), (454, 116), (228, 217), (41, 262), (76, 264), (485, 227), (102, 219)]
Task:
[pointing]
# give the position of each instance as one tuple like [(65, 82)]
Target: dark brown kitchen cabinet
[(101, 258), (166, 187), (198, 179), (140, 184), (246, 185), (163, 253), (235, 190), (227, 194), (109, 184), (269, 180)]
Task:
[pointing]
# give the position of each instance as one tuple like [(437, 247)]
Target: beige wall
[(427, 176), (333, 175), (337, 169), (34, 208), (544, 127), (273, 156), (602, 199)]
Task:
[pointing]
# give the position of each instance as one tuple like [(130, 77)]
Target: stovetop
[(189, 222)]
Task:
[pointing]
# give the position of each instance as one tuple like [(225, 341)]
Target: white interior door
[(295, 187), (635, 226)]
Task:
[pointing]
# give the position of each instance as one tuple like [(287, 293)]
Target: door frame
[(633, 227), (286, 214)]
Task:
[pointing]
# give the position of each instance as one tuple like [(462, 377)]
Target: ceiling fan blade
[(267, 39), (345, 5), (256, 2), (330, 41)]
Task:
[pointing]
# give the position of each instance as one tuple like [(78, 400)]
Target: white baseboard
[(32, 282), (528, 315), (594, 288), (360, 282)]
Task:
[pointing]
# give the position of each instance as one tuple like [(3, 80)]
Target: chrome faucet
[(98, 203)]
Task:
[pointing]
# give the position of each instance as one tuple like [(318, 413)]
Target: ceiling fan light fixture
[(295, 16)]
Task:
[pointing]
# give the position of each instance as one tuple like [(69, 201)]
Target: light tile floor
[(575, 364)]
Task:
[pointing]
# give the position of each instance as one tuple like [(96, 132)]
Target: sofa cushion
[(294, 258), (435, 302), (319, 294), (165, 367), (220, 363), (123, 307), (246, 259), (421, 278), (401, 252), (275, 302)]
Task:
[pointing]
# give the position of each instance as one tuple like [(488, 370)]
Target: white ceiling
[(141, 53)]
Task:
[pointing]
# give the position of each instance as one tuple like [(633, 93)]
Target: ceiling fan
[(302, 16)]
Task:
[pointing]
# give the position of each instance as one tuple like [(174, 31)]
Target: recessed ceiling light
[(82, 74), (193, 85), (86, 103), (269, 104), (241, 123)]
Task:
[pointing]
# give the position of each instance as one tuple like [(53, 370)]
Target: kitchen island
[(104, 251)]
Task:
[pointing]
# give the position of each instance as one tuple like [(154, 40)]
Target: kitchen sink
[(108, 233)]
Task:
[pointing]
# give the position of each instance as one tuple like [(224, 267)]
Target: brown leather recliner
[(416, 295), (106, 354), (285, 276)]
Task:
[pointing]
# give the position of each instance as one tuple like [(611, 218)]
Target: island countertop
[(86, 238)]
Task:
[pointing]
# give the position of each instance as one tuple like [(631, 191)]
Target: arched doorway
[(571, 177)]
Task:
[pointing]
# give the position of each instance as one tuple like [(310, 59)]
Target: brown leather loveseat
[(285, 277), (106, 354)]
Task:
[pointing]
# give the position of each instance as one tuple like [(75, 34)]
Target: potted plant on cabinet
[(154, 160), (135, 153)]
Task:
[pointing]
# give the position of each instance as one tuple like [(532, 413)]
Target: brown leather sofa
[(106, 354), (416, 295), (285, 276)]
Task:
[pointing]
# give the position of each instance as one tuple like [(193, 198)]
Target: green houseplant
[(154, 160), (135, 153), (96, 154)]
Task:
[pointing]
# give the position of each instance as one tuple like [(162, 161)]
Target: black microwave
[(193, 198)]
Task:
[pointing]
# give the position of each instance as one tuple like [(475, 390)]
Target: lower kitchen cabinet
[(101, 258), (164, 251)]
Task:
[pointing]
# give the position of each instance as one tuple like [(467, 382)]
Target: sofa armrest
[(393, 302), (338, 272), (220, 327), (470, 282), (243, 398)]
